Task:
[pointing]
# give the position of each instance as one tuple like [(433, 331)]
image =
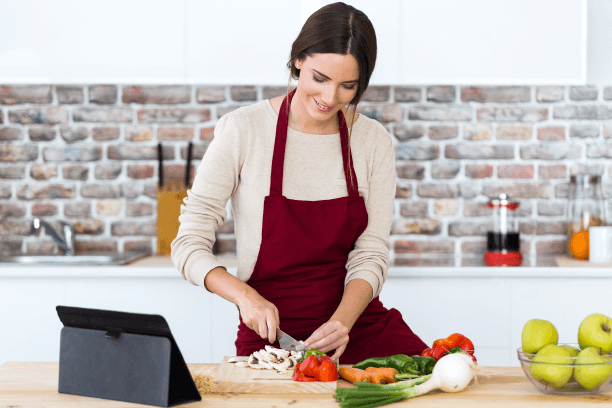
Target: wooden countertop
[(34, 384)]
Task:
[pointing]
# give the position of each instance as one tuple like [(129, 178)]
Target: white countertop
[(162, 267)]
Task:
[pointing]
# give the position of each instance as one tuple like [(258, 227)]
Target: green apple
[(593, 375), (559, 369), (596, 331), (572, 349), (538, 333)]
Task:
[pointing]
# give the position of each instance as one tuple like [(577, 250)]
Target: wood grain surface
[(250, 380), (34, 384)]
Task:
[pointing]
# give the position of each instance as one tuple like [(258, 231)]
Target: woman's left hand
[(332, 335)]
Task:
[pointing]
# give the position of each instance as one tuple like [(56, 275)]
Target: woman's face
[(327, 83)]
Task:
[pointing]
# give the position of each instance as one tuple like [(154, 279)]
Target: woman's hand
[(332, 335), (259, 315)]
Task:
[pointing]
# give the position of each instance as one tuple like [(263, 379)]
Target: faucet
[(65, 242)]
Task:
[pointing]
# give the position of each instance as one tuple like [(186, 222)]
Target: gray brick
[(101, 134), (376, 94), (157, 94), (103, 114), (575, 112), (270, 92), (509, 132), (429, 247), (443, 132), (441, 94), (594, 169), (13, 172), (130, 152), (479, 170), (584, 130), (403, 190), (80, 209), (442, 113), (551, 209), (594, 151), (478, 152), (437, 190), (174, 115), (68, 94), (47, 116), (133, 228), (42, 133), (463, 229), (12, 210), (445, 170), (107, 171), (413, 209), (72, 153), (100, 191), (607, 93), (12, 153), (404, 133), (583, 93), (406, 151), (243, 93), (103, 94), (382, 114), (477, 131), (5, 191), (549, 93), (519, 190), (419, 226), (407, 94), (550, 151), (446, 207), (42, 191), (501, 94), (74, 134), (512, 114), (10, 134), (211, 94), (410, 171), (75, 172), (43, 171), (18, 94), (556, 171)]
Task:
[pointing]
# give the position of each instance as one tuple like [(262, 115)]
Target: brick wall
[(87, 154)]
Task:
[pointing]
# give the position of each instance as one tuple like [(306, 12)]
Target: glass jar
[(585, 209), (503, 240)]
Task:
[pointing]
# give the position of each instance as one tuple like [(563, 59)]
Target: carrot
[(354, 375), (382, 375)]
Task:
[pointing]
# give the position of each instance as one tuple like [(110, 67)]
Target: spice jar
[(503, 240), (585, 209)]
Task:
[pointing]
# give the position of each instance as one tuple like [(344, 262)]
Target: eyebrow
[(326, 77)]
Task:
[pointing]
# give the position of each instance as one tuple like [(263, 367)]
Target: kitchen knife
[(289, 343)]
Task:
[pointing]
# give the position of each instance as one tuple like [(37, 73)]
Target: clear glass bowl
[(572, 387)]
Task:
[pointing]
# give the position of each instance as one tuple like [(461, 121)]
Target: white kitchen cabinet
[(248, 42), (489, 305)]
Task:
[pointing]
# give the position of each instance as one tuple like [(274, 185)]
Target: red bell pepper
[(315, 368), (452, 344)]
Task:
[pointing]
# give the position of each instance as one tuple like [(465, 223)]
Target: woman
[(312, 204)]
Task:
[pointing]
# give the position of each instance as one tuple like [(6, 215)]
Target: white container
[(600, 244)]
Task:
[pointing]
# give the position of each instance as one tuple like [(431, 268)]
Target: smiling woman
[(312, 196)]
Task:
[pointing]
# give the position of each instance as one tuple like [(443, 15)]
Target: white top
[(237, 165)]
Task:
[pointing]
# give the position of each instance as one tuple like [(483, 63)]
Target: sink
[(78, 259)]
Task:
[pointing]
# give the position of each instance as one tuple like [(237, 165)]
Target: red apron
[(301, 269)]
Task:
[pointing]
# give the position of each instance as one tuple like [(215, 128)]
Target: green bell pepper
[(401, 362)]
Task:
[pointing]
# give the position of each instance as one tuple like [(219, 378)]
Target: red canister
[(503, 240)]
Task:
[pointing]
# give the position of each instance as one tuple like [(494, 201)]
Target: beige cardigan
[(237, 165)]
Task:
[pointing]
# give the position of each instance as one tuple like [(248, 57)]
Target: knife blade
[(289, 343)]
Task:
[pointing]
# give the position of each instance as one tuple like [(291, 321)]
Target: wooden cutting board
[(250, 380)]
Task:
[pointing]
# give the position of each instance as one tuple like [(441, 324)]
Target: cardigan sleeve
[(369, 259), (204, 207)]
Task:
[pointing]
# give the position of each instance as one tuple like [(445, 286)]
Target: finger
[(263, 328), (319, 334), (333, 345), (338, 352), (271, 329)]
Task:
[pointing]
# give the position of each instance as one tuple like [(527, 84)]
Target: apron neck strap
[(278, 157)]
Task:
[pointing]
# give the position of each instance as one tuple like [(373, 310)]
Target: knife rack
[(170, 196)]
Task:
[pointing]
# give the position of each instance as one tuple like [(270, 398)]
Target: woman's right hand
[(259, 314)]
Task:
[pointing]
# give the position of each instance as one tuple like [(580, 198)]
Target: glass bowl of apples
[(564, 369)]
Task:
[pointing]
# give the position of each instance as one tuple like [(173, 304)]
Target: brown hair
[(337, 29)]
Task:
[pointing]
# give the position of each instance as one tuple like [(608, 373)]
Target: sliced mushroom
[(266, 364), (283, 366), (242, 364), (253, 359)]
